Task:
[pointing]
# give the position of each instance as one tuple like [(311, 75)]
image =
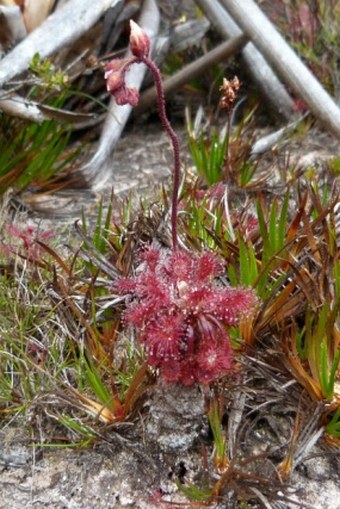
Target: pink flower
[(139, 41), (127, 95), (115, 72), (182, 313)]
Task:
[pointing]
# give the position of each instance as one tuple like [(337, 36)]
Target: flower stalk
[(115, 72)]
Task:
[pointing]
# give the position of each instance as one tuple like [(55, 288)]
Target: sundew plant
[(176, 301), (230, 306)]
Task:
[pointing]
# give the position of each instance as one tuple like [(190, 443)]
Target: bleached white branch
[(62, 27), (262, 74), (285, 61), (98, 169)]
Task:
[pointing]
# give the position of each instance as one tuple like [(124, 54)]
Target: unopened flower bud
[(114, 75), (139, 41), (115, 72), (127, 95)]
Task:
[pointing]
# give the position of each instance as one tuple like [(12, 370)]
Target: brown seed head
[(229, 89)]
